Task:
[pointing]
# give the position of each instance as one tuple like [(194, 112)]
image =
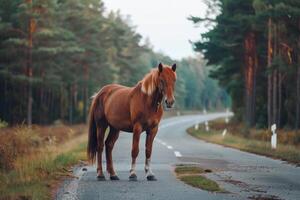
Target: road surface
[(243, 175)]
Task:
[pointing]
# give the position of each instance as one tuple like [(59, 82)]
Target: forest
[(253, 47), (55, 54)]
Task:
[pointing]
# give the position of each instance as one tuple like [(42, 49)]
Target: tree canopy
[(55, 54), (254, 48)]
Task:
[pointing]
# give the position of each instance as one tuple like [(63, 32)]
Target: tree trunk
[(274, 98), (269, 72), (298, 96), (71, 98), (298, 86), (85, 92), (279, 98), (250, 76), (62, 109), (41, 103), (275, 77), (53, 108), (254, 88), (29, 73)]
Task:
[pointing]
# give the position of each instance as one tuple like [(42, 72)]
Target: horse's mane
[(149, 82)]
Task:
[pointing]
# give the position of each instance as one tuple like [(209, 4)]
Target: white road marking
[(177, 154), (197, 121)]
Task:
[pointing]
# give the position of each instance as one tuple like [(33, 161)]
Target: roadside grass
[(194, 176), (201, 182), (257, 142), (186, 169), (34, 175)]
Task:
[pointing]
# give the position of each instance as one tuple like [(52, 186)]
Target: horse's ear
[(174, 67), (160, 67)]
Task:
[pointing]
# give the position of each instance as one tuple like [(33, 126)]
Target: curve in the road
[(245, 175)]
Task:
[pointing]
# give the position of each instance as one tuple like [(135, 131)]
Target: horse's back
[(110, 88), (116, 105)]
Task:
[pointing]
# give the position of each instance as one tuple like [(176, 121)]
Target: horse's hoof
[(151, 178), (133, 177), (114, 178), (101, 178)]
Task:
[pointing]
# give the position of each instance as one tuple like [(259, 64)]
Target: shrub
[(3, 124), (17, 142)]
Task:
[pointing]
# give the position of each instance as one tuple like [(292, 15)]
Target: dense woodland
[(254, 48), (54, 54)]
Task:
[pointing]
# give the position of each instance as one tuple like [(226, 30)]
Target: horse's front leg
[(137, 130), (149, 142)]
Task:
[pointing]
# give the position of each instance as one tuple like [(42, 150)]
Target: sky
[(164, 22)]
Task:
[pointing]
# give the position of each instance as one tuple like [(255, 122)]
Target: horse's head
[(166, 85)]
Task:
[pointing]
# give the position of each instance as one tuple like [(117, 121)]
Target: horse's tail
[(92, 138)]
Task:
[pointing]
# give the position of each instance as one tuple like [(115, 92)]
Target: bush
[(3, 124), (17, 142), (22, 141)]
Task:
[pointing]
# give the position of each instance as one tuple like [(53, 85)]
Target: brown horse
[(134, 109)]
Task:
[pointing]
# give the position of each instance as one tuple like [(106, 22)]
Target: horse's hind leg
[(109, 144), (101, 128)]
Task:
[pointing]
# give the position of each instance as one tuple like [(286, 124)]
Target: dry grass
[(255, 141), (38, 158)]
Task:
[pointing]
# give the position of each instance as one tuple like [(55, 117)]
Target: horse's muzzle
[(169, 104)]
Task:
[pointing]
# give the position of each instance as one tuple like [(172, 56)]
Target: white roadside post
[(206, 122), (196, 126), (206, 126), (224, 132), (227, 117), (226, 120), (178, 113), (274, 137)]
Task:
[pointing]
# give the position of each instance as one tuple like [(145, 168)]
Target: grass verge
[(186, 169), (286, 152), (35, 174), (194, 176)]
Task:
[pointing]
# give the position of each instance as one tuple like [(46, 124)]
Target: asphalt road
[(243, 175)]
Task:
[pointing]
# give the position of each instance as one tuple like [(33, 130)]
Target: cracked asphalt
[(243, 175)]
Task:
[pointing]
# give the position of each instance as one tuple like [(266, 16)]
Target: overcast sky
[(164, 22)]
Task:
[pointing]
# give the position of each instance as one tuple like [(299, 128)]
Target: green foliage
[(224, 47), (76, 50), (201, 182), (199, 90)]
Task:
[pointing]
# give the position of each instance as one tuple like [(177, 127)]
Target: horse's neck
[(154, 100), (157, 98)]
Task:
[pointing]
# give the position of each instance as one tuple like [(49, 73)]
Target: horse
[(130, 109)]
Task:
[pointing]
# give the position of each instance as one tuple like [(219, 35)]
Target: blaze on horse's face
[(167, 78)]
